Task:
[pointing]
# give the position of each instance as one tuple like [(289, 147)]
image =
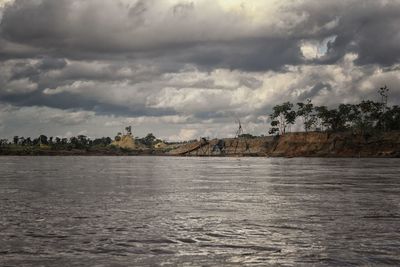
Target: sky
[(184, 69)]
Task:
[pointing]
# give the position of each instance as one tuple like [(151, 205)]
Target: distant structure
[(383, 91), (239, 131), (240, 138)]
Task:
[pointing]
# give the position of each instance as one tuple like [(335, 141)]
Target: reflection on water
[(134, 211)]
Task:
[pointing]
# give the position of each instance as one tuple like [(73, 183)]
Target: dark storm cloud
[(195, 58), (366, 27), (253, 54), (36, 23), (51, 27), (23, 70), (69, 101), (49, 63)]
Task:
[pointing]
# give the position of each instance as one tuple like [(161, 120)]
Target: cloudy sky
[(187, 68)]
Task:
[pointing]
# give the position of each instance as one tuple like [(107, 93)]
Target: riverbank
[(311, 144), (37, 151), (317, 144)]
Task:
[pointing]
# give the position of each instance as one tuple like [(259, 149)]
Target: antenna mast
[(239, 131)]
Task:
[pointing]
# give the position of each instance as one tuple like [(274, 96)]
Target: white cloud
[(192, 91), (186, 134), (4, 2), (19, 86)]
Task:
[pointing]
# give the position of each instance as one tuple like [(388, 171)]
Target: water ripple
[(153, 211)]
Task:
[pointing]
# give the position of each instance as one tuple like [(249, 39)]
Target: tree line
[(57, 143), (80, 142), (365, 117)]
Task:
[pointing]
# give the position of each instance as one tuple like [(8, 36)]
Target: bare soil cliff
[(312, 144), (318, 144)]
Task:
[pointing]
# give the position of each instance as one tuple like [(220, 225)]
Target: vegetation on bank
[(366, 118), (28, 145)]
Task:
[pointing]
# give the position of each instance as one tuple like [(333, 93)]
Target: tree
[(321, 113), (370, 113), (3, 142), (36, 141), (274, 127), (74, 142), (129, 130), (15, 140), (148, 140), (58, 140), (21, 141), (118, 137), (333, 119), (83, 140), (282, 117), (43, 139), (247, 135), (347, 117), (107, 141), (28, 141), (392, 118), (104, 141), (306, 111)]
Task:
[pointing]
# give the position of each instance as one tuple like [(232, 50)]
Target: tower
[(239, 131)]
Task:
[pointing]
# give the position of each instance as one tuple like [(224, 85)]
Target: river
[(174, 211)]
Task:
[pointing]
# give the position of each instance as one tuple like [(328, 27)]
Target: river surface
[(166, 211)]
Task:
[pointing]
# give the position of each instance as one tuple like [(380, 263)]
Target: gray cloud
[(368, 28), (209, 61)]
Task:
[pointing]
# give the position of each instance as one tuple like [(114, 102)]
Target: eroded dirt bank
[(312, 144)]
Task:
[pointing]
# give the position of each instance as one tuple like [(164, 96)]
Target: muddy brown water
[(167, 211)]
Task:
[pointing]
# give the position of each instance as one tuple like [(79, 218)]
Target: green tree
[(83, 140), (370, 113), (27, 141), (321, 113), (128, 130), (118, 137), (306, 112), (282, 117), (3, 142), (148, 140), (333, 119), (392, 119), (74, 142), (43, 139)]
